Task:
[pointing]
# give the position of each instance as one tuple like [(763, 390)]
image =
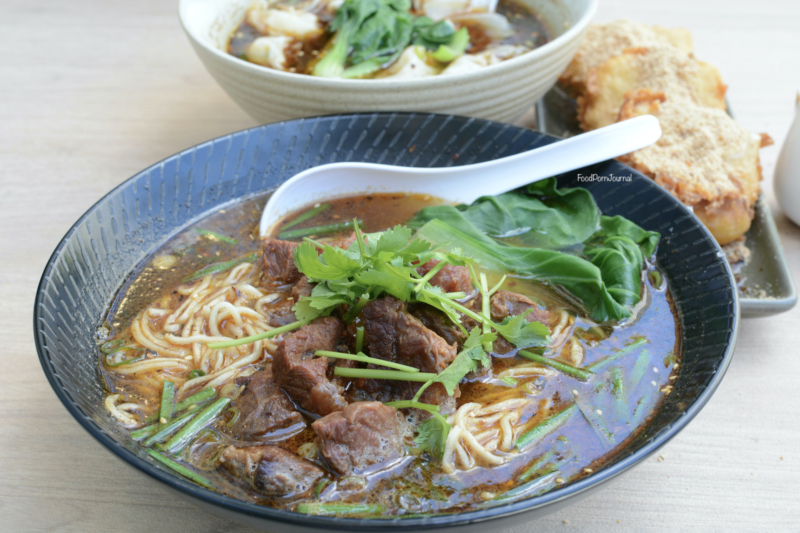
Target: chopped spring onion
[(366, 359), (217, 236), (617, 385), (235, 414), (170, 428), (641, 341), (196, 373), (203, 395), (536, 467), (545, 427), (410, 404), (120, 357), (111, 346), (182, 470), (230, 391), (334, 509), (200, 421), (167, 401), (266, 335), (220, 267), (320, 487), (317, 230), (371, 373), (311, 213), (508, 380), (144, 432), (577, 373), (359, 339)]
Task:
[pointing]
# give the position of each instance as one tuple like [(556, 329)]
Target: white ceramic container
[(787, 170)]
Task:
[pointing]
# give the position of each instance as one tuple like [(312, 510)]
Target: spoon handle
[(508, 173)]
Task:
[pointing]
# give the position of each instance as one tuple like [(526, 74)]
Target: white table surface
[(93, 91)]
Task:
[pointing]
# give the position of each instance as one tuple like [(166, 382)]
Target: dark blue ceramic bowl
[(122, 229)]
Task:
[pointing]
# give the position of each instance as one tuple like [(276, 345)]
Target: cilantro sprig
[(376, 264)]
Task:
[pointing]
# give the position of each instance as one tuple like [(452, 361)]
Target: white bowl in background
[(500, 92)]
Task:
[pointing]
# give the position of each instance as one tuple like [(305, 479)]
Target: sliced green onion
[(111, 346), (217, 236), (538, 464), (266, 335), (230, 391), (234, 417), (617, 385), (196, 373), (316, 230), (641, 341), (138, 355), (360, 357), (336, 509), (593, 417), (144, 432), (201, 420), (545, 427), (410, 404), (170, 428), (359, 339), (320, 487), (311, 213), (203, 395), (640, 367), (167, 400), (182, 470), (577, 373), (220, 267), (371, 373), (508, 380)]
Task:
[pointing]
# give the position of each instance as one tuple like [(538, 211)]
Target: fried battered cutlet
[(659, 68), (704, 158), (604, 41)]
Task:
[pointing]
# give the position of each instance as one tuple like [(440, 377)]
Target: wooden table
[(91, 92)]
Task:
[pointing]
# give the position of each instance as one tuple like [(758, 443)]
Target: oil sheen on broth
[(633, 366)]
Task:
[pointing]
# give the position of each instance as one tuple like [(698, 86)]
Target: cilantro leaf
[(465, 362), (523, 334), (393, 240), (336, 265), (432, 435)]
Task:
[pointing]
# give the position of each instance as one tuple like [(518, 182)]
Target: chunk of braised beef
[(450, 278), (264, 408), (279, 313), (278, 259), (301, 374), (303, 288), (272, 471), (438, 322), (505, 303), (393, 334), (362, 435)]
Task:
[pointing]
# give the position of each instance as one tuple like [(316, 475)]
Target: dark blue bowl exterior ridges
[(101, 250)]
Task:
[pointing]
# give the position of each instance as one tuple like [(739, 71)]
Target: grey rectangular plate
[(767, 287)]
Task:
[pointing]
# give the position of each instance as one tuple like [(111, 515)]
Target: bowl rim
[(291, 518), (279, 76)]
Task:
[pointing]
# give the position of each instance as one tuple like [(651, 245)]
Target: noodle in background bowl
[(118, 233), (499, 92)]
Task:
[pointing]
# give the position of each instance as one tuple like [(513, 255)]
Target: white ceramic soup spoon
[(461, 184)]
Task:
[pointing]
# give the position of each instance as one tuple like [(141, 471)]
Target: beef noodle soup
[(392, 39), (372, 359)]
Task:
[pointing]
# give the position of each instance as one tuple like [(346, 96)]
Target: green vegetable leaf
[(432, 435), (523, 334), (465, 362), (604, 276)]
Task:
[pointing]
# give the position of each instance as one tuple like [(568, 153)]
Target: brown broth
[(528, 27), (569, 450)]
